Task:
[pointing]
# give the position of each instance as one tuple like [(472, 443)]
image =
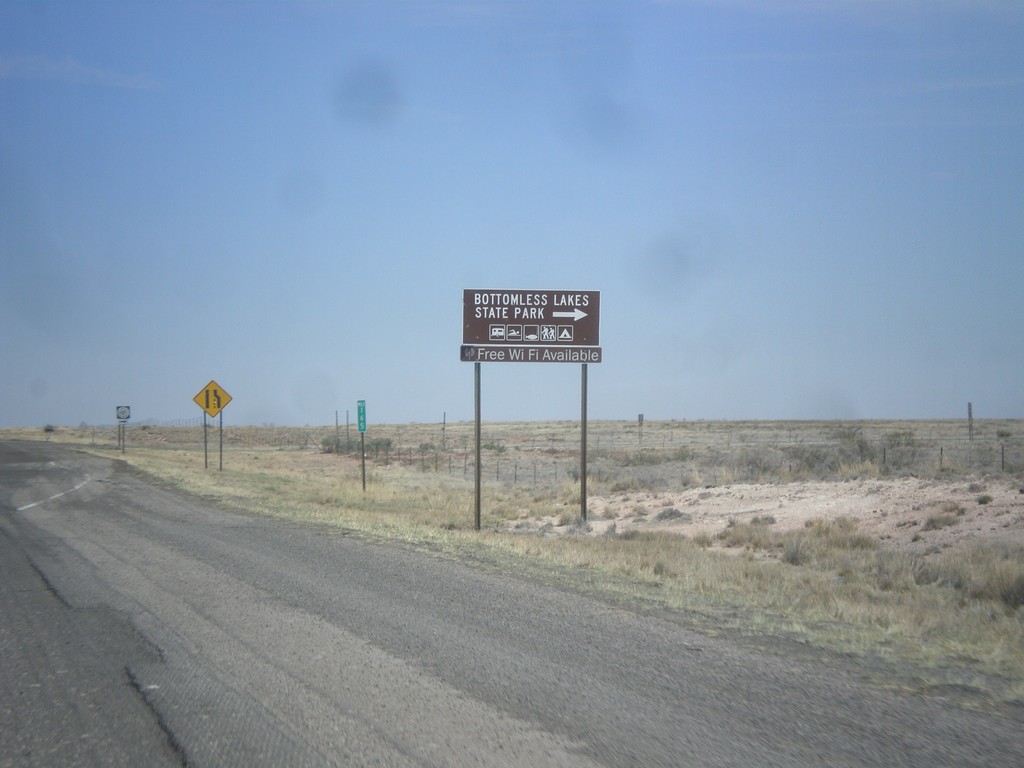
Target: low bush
[(671, 513), (702, 540), (749, 536), (982, 573), (331, 444), (939, 521), (841, 533), (795, 550), (897, 571)]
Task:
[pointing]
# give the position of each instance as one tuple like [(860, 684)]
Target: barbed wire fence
[(655, 453)]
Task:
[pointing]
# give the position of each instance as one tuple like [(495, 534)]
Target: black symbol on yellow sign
[(212, 398)]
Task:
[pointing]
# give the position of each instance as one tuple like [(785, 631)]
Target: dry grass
[(957, 612)]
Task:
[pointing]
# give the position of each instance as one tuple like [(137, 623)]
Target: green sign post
[(361, 420)]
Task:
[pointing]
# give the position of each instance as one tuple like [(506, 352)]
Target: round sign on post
[(124, 412)]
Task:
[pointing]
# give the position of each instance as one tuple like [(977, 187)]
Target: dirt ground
[(910, 514)]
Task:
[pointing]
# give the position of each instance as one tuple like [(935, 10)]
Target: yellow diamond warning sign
[(212, 398)]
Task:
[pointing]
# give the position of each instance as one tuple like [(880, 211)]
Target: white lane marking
[(55, 496), (30, 465)]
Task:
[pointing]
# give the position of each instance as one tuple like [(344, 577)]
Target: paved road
[(142, 627)]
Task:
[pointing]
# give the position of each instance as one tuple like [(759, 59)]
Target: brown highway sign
[(531, 318), (488, 353)]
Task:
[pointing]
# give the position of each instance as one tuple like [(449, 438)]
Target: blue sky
[(793, 209)]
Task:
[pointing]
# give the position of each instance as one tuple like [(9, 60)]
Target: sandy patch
[(906, 513)]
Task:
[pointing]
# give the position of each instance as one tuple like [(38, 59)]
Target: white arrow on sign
[(576, 314)]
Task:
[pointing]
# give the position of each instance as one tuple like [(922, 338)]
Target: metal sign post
[(526, 326), (123, 412), (476, 440), (583, 442), (212, 399)]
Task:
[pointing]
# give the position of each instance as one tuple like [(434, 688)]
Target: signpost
[(531, 318), (528, 326), (124, 412), (361, 420), (212, 399), (489, 353)]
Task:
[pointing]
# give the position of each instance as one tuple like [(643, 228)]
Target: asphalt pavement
[(141, 626)]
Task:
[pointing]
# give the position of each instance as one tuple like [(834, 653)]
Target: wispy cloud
[(68, 70)]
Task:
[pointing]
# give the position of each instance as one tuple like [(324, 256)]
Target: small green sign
[(361, 414)]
